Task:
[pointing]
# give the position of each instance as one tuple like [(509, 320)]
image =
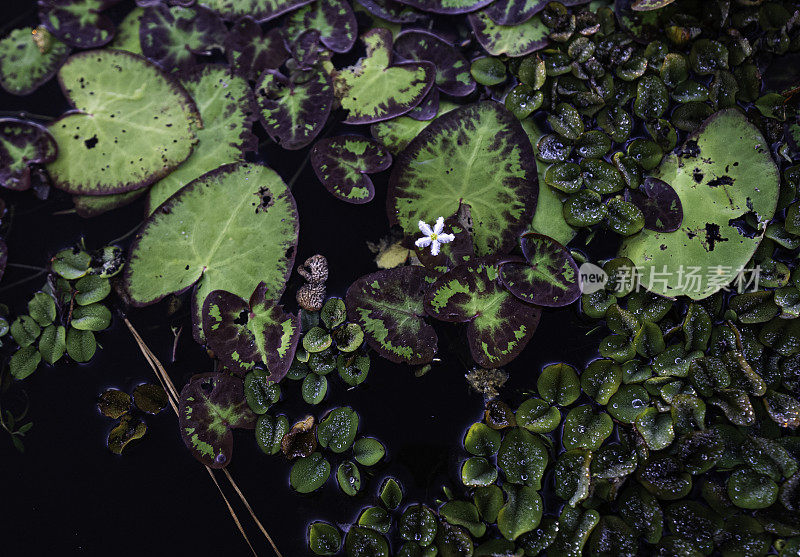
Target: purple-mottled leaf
[(451, 254), (148, 3), (21, 145), (334, 19), (305, 49), (260, 10), (245, 335), (294, 112), (452, 69), (510, 40), (447, 6), (78, 23), (375, 89), (648, 5), (392, 11), (427, 109), (659, 203), (389, 307), (173, 36), (211, 405), (225, 317), (515, 12), (548, 278), (250, 53), (499, 324), (342, 164)]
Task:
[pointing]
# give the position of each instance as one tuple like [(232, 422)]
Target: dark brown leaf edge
[(392, 11), (499, 324), (514, 12), (452, 69), (548, 277), (34, 141), (389, 307), (342, 163), (659, 203), (78, 23), (340, 19), (276, 332), (211, 405), (225, 318)]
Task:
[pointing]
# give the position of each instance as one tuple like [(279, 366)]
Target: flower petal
[(423, 242), (435, 248), (439, 226), (424, 228), (445, 238)]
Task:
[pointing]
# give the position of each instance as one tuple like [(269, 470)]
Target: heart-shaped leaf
[(392, 11), (389, 307), (397, 133), (452, 70), (723, 172), (78, 23), (447, 6), (211, 405), (342, 164), (227, 109), (21, 145), (132, 124), (511, 40), (245, 335), (250, 52), (375, 89), (500, 325), (260, 10), (294, 111), (477, 155), (127, 37), (229, 230), (514, 12), (550, 278), (28, 58), (659, 204), (334, 20), (172, 36)]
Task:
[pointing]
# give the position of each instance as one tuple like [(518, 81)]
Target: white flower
[(433, 238)]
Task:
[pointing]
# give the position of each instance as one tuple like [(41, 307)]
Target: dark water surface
[(68, 494)]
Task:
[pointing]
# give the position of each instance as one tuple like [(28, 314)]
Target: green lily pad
[(293, 111), (211, 405), (334, 20), (418, 523), (550, 277), (452, 70), (28, 58), (368, 451), (365, 541), (227, 109), (724, 172), (260, 10), (342, 164), (124, 106), (78, 23), (499, 325), (173, 36), (21, 145), (511, 40), (389, 307), (376, 89), (522, 458), (440, 170), (397, 133), (572, 477), (204, 233)]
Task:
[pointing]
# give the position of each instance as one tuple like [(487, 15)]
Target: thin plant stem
[(28, 267), (128, 234), (230, 510), (173, 397), (22, 281)]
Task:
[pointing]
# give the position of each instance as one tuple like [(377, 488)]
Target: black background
[(67, 494)]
